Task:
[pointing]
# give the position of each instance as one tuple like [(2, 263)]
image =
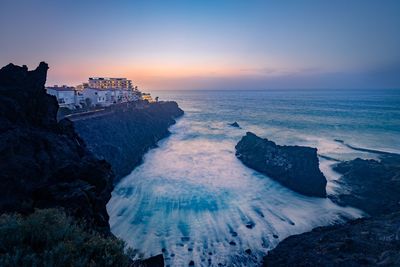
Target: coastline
[(124, 134), (55, 164), (49, 170), (370, 241)]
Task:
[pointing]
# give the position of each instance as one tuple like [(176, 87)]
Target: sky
[(178, 45)]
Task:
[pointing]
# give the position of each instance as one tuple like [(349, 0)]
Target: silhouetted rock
[(44, 163), (235, 124), (363, 242), (372, 186), (296, 167), (124, 135), (155, 261)]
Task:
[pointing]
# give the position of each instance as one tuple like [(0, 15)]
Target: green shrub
[(50, 238)]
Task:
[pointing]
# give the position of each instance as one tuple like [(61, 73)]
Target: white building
[(65, 95), (115, 96), (79, 98), (98, 97), (96, 92), (109, 83)]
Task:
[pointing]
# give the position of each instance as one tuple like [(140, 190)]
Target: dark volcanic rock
[(155, 261), (235, 124), (124, 135), (363, 242), (44, 163), (373, 186), (296, 167)]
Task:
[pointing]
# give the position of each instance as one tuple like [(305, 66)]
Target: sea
[(193, 201)]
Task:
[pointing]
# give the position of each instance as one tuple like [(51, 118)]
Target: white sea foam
[(194, 198)]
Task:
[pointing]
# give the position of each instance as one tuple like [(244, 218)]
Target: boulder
[(296, 167)]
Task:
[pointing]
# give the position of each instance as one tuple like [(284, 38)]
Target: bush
[(50, 238)]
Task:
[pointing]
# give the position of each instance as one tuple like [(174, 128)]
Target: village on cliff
[(98, 92)]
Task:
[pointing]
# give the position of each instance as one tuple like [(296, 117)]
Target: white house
[(98, 97), (121, 95), (65, 95), (97, 92), (79, 98), (114, 96)]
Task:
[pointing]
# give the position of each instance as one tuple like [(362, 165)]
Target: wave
[(192, 199)]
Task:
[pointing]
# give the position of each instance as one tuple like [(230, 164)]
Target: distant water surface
[(192, 200)]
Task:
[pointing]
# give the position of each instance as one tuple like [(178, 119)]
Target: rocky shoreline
[(45, 164), (362, 242), (370, 185), (123, 136)]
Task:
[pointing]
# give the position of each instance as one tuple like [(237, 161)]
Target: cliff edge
[(44, 163), (124, 133)]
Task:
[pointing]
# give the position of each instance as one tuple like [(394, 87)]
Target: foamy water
[(193, 200)]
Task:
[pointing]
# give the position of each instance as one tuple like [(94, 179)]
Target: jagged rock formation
[(44, 163), (372, 186), (296, 167), (363, 242), (234, 124), (125, 134)]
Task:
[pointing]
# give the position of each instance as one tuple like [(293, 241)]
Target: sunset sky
[(208, 44)]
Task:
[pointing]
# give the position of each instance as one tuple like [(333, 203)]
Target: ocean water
[(193, 200)]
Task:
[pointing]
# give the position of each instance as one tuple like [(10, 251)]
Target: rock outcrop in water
[(44, 163), (296, 167), (125, 134), (373, 186), (234, 124)]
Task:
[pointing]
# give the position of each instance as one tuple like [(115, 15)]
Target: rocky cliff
[(124, 134), (296, 167), (44, 163)]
